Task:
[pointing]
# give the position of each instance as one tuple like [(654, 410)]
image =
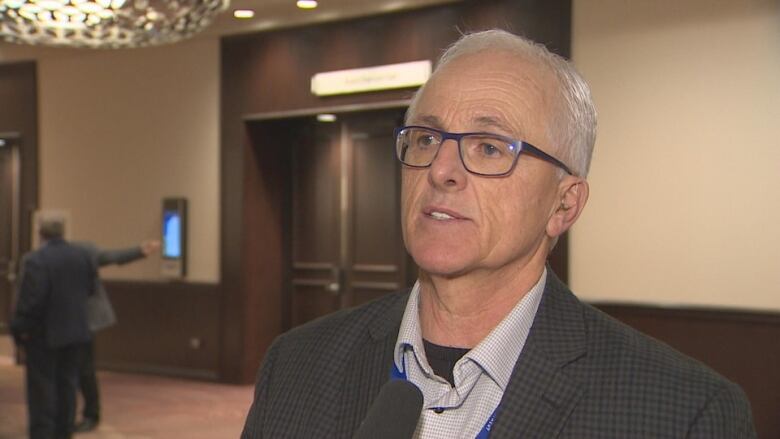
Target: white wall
[(685, 182), (120, 130)]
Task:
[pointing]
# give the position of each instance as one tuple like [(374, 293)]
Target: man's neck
[(461, 312)]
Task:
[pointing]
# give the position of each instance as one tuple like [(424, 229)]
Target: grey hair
[(51, 228), (573, 130)]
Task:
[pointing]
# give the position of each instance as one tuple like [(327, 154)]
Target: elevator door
[(346, 243)]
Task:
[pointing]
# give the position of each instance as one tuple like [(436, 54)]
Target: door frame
[(14, 140), (251, 120), (334, 109)]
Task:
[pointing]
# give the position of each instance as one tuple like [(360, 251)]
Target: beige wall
[(120, 130), (685, 201), (685, 182)]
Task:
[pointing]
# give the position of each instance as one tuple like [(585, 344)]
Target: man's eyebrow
[(492, 122), (483, 122), (427, 120)]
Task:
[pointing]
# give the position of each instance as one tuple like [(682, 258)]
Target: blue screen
[(171, 235)]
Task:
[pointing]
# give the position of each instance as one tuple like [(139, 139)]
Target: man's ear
[(572, 195)]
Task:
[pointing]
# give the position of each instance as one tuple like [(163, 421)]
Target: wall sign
[(386, 77)]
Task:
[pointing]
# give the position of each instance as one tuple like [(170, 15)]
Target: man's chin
[(446, 266)]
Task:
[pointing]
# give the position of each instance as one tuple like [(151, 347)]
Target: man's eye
[(489, 150), (425, 141)]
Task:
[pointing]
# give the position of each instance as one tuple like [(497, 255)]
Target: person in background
[(100, 315), (495, 155), (50, 325)]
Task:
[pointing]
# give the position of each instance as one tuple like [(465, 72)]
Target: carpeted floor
[(139, 406)]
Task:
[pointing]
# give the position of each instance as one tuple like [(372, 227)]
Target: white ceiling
[(274, 14)]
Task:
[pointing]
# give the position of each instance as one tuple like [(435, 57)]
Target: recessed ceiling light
[(243, 13), (307, 4), (394, 5), (326, 117), (2, 141)]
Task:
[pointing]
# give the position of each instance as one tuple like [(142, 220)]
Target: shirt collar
[(496, 354), (410, 333)]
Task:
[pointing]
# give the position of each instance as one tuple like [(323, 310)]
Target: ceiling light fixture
[(243, 13), (326, 117), (307, 4), (105, 23)]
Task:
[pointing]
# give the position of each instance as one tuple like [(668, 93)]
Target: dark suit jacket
[(56, 281), (100, 312), (581, 375)]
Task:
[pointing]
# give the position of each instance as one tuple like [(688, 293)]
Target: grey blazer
[(100, 313), (581, 375)]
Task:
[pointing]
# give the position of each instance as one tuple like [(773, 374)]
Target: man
[(496, 343), (50, 324), (100, 315)]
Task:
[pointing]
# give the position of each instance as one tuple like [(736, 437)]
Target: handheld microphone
[(394, 413)]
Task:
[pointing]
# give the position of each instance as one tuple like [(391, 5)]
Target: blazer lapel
[(369, 368), (541, 395)]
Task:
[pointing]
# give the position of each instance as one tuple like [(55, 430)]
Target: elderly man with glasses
[(495, 154)]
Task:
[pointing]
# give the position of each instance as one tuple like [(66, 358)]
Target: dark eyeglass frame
[(520, 147)]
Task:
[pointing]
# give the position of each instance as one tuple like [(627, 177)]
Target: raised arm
[(125, 255)]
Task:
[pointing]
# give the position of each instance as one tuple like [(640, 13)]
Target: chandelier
[(105, 23)]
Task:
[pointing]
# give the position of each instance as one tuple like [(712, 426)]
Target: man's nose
[(447, 170)]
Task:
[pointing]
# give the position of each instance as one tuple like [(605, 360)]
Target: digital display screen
[(171, 234)]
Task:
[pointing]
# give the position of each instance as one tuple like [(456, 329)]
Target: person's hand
[(150, 247)]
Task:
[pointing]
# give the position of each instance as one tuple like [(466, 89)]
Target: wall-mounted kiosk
[(174, 238)]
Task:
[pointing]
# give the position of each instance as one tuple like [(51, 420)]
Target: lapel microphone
[(394, 413)]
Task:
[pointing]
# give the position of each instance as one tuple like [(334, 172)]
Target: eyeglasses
[(481, 153)]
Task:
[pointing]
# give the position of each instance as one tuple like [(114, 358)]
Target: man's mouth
[(440, 216), (442, 213)]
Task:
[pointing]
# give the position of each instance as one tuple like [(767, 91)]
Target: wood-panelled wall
[(169, 328), (19, 114), (742, 346), (19, 117), (270, 73)]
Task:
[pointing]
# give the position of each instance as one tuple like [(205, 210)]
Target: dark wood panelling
[(165, 328), (270, 73), (314, 220), (19, 115), (6, 229), (378, 261), (253, 314), (315, 201), (742, 346), (559, 258)]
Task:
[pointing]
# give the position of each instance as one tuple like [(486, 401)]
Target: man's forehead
[(495, 92), (494, 71), (477, 122)]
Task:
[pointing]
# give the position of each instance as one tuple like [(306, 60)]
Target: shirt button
[(438, 410)]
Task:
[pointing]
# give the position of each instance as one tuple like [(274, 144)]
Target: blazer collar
[(558, 327), (369, 367), (541, 394), (388, 324)]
